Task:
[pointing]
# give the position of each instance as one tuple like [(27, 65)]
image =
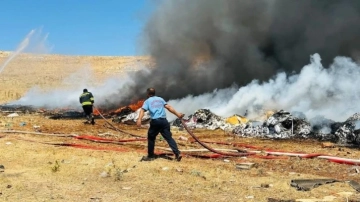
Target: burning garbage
[(131, 118), (204, 118), (279, 125)]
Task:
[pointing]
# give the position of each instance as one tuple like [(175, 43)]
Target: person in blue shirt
[(158, 124)]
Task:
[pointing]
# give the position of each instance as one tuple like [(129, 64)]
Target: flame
[(134, 106)]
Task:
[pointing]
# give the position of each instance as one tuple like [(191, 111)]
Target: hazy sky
[(76, 27)]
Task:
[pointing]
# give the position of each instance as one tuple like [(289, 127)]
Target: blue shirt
[(156, 106)]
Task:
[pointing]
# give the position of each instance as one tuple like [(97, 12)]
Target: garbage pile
[(204, 118), (279, 125), (131, 117)]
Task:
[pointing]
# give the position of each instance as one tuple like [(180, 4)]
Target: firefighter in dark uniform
[(87, 101)]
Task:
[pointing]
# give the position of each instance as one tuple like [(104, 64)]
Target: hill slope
[(49, 71)]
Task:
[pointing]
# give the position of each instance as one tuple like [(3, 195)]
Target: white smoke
[(34, 42), (330, 92), (107, 93)]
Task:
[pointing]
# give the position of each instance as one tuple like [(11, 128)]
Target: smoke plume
[(202, 45), (316, 91)]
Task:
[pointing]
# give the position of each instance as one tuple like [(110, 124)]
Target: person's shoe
[(178, 157), (148, 158), (92, 121)]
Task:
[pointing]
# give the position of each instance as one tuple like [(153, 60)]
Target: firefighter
[(87, 100)]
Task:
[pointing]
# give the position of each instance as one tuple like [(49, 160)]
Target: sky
[(76, 27)]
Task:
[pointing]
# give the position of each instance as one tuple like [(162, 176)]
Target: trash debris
[(179, 170), (8, 143), (183, 138), (265, 185), (354, 169), (104, 174), (280, 200), (354, 185), (327, 145), (308, 184), (126, 188), (95, 199), (198, 174), (226, 160), (165, 168), (279, 125), (249, 197), (2, 168), (203, 118), (236, 120), (13, 115), (244, 166), (131, 118), (325, 198), (22, 124), (37, 128)]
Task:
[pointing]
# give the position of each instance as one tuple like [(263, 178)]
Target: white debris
[(183, 138), (104, 174), (132, 117), (13, 115)]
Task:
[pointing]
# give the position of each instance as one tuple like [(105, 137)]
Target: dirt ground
[(38, 170), (46, 167)]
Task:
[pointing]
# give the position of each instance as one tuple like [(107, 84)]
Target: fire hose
[(278, 153), (115, 128), (296, 154), (209, 148)]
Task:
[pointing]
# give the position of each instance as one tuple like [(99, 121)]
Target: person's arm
[(141, 115), (173, 111), (91, 98), (144, 108)]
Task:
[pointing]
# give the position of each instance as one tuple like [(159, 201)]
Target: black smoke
[(237, 41)]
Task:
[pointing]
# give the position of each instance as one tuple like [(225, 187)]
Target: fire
[(135, 106)]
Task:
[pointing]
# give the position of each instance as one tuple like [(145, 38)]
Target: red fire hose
[(106, 140)]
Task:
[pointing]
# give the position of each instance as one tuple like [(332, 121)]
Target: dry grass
[(35, 171), (49, 71), (30, 168)]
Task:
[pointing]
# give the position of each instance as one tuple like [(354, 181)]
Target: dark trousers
[(88, 109), (88, 112), (161, 126)]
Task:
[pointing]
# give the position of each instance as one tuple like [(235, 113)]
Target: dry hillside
[(49, 71)]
